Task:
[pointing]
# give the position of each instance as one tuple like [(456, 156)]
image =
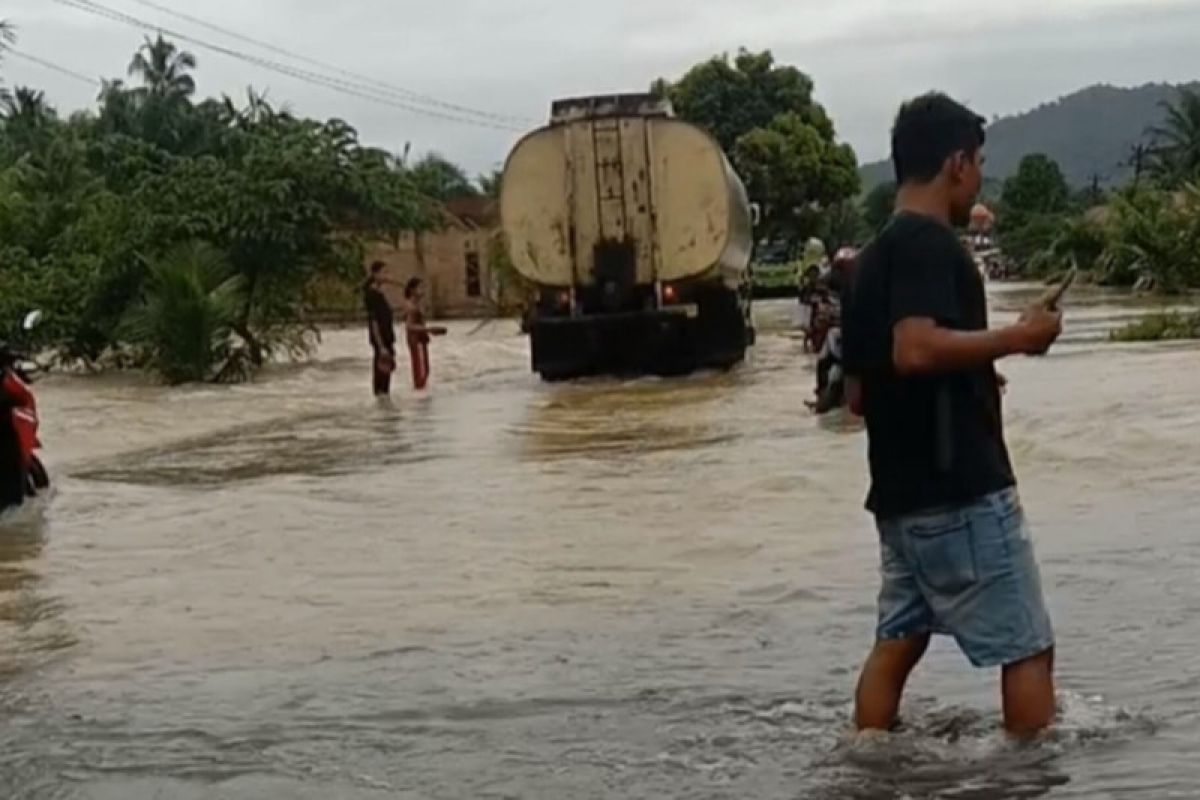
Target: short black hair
[(377, 267), (928, 130), (411, 287)]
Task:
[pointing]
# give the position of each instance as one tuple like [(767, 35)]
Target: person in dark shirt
[(381, 331), (956, 552)]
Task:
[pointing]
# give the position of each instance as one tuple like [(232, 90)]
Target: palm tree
[(184, 323), (119, 107), (25, 107), (163, 69), (7, 37), (26, 119), (1176, 154)]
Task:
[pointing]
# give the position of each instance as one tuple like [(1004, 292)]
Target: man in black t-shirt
[(955, 548), (381, 331)]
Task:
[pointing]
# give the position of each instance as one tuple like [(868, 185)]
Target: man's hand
[(1038, 329)]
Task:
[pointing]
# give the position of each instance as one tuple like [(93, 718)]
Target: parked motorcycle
[(23, 476)]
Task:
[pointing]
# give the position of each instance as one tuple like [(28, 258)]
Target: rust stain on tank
[(560, 237)]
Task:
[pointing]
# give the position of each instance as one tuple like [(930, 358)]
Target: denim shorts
[(968, 572)]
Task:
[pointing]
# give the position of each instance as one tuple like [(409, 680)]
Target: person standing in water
[(956, 552), (417, 332), (381, 331)]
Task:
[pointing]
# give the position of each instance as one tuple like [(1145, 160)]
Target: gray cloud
[(514, 56)]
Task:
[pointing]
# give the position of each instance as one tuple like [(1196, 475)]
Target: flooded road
[(608, 589)]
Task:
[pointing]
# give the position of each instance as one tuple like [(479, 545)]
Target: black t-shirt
[(934, 440), (379, 312)]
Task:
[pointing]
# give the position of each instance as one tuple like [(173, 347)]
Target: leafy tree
[(1156, 234), (1175, 158), (1038, 188), (1025, 244), (732, 98), (878, 206), (843, 226), (1079, 241), (792, 172), (1033, 207), (441, 180), (94, 210), (781, 140), (490, 183)]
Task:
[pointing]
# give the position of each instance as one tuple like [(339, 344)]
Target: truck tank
[(637, 232), (621, 172)]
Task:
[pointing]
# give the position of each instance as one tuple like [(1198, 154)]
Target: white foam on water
[(29, 516), (954, 752)]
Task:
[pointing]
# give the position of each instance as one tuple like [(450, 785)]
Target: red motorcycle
[(22, 474)]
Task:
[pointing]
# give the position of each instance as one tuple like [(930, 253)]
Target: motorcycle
[(23, 476)]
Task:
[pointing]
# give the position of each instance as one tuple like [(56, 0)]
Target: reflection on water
[(316, 445), (607, 589), (31, 628), (604, 420)]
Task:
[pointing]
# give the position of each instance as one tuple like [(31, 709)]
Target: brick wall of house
[(453, 262)]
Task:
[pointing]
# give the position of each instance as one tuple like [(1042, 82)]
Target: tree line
[(189, 236), (194, 236), (781, 142)]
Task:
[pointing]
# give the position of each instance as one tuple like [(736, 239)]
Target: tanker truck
[(636, 234)]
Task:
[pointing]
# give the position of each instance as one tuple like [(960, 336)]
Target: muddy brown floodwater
[(646, 589)]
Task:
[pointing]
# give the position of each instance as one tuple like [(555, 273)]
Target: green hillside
[(1091, 133)]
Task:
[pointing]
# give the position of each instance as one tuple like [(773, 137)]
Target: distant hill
[(1091, 132)]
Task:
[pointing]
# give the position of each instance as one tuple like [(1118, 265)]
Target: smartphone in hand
[(1053, 297)]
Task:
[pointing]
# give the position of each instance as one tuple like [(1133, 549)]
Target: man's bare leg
[(881, 685), (1029, 705)]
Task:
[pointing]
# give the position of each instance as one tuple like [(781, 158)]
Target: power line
[(369, 81), (50, 65), (334, 84), (97, 9)]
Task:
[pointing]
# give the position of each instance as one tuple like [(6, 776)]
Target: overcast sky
[(513, 56)]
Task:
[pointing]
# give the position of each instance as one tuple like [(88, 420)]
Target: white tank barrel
[(617, 180)]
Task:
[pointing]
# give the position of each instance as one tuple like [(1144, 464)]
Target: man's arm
[(854, 396), (376, 337), (925, 310), (921, 346)]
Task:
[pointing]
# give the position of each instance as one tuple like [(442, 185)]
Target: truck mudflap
[(665, 342)]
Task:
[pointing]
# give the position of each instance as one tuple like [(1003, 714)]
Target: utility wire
[(50, 65), (335, 84), (367, 80)]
